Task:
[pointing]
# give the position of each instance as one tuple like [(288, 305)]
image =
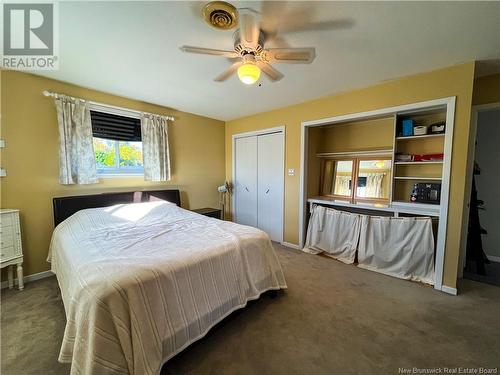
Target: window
[(337, 176), (359, 179), (117, 144), (373, 179)]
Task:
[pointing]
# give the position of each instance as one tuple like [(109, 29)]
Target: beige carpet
[(334, 319)]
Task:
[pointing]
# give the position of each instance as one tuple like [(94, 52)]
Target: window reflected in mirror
[(374, 179), (337, 177)]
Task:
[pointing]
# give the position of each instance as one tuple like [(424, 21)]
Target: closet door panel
[(270, 179), (245, 181)]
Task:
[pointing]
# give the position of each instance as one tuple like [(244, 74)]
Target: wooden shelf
[(379, 152), (415, 207), (418, 162), (419, 178), (421, 136)]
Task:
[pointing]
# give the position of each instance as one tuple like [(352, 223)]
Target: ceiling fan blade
[(210, 51), (268, 70), (229, 72), (292, 17), (340, 24), (289, 55), (249, 30)]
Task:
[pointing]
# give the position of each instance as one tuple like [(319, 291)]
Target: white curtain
[(155, 151), (76, 153), (374, 185), (334, 232), (399, 247), (342, 185)]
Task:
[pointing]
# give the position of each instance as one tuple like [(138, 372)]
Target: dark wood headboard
[(64, 207)]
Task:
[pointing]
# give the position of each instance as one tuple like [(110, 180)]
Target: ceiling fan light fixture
[(249, 73)]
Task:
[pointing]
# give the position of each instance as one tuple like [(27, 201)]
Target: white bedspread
[(140, 282)]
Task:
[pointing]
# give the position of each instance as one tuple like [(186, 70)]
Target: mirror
[(337, 177), (374, 178)]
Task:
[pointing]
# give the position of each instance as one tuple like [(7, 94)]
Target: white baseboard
[(291, 245), (493, 258), (27, 279), (449, 290)]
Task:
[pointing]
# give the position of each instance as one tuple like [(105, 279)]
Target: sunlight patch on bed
[(133, 212)]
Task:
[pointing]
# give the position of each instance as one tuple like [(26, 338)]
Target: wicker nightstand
[(12, 251)]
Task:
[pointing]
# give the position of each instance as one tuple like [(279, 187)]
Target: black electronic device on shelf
[(424, 192)]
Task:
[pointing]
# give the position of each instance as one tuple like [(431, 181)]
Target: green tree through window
[(118, 156)]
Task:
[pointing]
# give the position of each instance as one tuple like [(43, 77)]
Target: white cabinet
[(11, 247), (259, 182)]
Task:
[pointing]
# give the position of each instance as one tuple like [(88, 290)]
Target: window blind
[(115, 127)]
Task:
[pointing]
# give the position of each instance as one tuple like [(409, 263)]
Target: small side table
[(210, 212)]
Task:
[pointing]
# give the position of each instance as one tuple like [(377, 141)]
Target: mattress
[(142, 281)]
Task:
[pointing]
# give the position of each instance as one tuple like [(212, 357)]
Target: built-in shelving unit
[(356, 137), (404, 174), (408, 173)]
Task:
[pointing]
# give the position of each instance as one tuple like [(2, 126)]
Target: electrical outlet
[(291, 171)]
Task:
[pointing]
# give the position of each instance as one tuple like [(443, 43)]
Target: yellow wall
[(29, 127), (454, 81), (487, 90), (358, 135)]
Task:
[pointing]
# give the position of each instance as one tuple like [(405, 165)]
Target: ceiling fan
[(249, 40)]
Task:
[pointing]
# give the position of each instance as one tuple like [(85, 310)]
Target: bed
[(142, 278)]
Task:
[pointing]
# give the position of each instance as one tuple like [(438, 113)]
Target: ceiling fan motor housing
[(243, 50)]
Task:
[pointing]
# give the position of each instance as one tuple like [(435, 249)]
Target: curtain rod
[(55, 95)]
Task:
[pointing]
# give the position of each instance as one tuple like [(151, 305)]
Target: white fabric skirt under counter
[(402, 247), (333, 232)]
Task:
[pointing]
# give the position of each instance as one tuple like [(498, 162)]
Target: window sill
[(119, 175)]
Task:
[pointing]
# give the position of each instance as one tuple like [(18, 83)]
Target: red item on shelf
[(428, 157)]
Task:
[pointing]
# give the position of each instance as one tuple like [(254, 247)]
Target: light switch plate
[(3, 173), (291, 171), (2, 143)]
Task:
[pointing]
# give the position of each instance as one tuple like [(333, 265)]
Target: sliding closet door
[(270, 180), (245, 181)]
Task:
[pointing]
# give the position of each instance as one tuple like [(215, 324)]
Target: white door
[(245, 181), (270, 180)]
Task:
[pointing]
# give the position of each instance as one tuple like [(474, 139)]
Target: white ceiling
[(132, 49)]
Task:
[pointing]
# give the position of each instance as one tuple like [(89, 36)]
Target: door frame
[(277, 129), (468, 175)]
